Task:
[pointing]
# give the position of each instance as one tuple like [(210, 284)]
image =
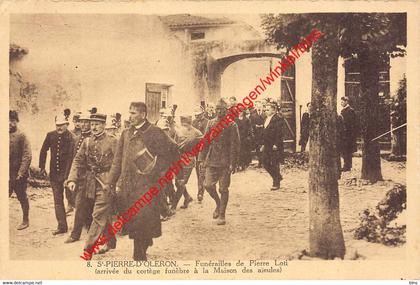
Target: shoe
[(216, 213), (69, 210), (70, 240), (23, 225), (186, 202), (57, 232), (164, 219), (275, 188), (221, 221), (103, 250)]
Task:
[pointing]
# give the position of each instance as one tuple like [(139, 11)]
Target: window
[(197, 36)]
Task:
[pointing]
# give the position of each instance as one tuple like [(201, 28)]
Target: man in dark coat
[(94, 159), (272, 149), (19, 161), (349, 133), (246, 137), (61, 145), (220, 159), (257, 121), (200, 122), (304, 129), (142, 137)]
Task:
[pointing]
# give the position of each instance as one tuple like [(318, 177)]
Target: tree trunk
[(370, 115), (325, 234)]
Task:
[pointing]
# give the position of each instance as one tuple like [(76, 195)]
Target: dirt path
[(261, 224)]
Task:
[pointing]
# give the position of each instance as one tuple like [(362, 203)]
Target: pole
[(399, 127)]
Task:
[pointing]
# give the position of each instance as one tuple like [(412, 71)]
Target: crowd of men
[(102, 168)]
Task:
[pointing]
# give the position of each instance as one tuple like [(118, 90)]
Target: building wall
[(106, 59)]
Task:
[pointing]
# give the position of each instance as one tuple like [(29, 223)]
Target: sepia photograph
[(207, 143)]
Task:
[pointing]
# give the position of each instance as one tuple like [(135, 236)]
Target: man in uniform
[(136, 178), (19, 161), (349, 133), (186, 137), (272, 148), (61, 145), (200, 122), (220, 159), (84, 206), (95, 157), (304, 128), (77, 124)]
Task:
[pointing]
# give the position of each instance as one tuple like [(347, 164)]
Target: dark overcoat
[(146, 223), (349, 131), (273, 136)]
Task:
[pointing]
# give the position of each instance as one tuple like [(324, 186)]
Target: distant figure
[(349, 133), (272, 148), (304, 129), (60, 143), (232, 101), (246, 138), (76, 123), (19, 161), (200, 122), (257, 121), (210, 111)]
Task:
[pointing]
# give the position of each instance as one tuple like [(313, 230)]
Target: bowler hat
[(13, 115)]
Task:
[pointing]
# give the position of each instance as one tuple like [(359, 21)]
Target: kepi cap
[(97, 117)]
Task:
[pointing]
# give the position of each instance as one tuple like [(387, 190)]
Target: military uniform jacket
[(19, 155), (79, 140), (61, 148), (223, 150), (200, 124), (94, 159)]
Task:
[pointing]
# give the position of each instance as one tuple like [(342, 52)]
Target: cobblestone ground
[(261, 224)]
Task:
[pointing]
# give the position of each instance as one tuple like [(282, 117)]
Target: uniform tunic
[(95, 158)]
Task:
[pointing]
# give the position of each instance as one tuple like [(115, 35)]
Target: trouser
[(181, 185), (200, 172), (271, 163), (221, 175), (347, 157), (303, 145), (83, 213), (19, 187), (60, 212), (168, 193), (140, 248), (259, 154), (71, 199), (102, 215)]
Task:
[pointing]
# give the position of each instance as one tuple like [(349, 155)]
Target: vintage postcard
[(209, 140)]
